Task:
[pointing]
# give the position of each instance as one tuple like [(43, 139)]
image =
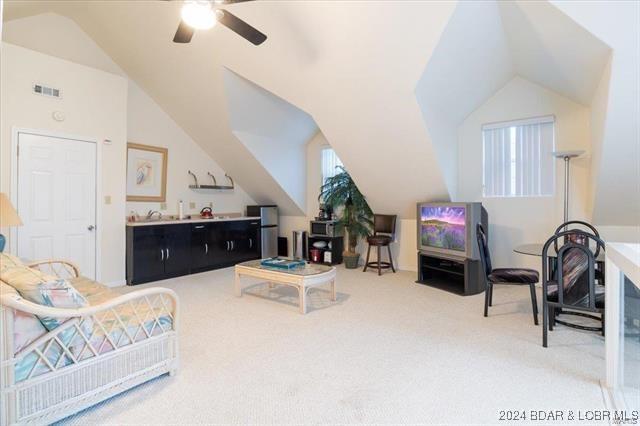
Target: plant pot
[(351, 260)]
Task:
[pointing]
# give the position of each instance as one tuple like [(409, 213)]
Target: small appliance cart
[(337, 246)]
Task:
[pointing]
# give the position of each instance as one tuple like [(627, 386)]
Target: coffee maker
[(325, 212)]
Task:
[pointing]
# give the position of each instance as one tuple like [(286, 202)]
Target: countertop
[(193, 220)]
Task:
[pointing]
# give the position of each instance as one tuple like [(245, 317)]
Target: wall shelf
[(215, 185), (211, 187)]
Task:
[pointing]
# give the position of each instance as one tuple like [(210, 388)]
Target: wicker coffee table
[(311, 275)]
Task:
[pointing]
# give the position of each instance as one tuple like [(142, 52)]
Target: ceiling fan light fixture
[(198, 14)]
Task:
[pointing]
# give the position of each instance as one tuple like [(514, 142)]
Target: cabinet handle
[(167, 253), (199, 227), (162, 255), (227, 245), (250, 242), (232, 245), (206, 248)]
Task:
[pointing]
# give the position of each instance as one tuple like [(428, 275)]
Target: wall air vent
[(41, 89)]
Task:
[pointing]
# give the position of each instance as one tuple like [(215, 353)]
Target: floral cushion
[(26, 327), (9, 261), (47, 290), (94, 292), (134, 321)]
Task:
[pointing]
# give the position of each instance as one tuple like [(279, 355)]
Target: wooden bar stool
[(384, 230)]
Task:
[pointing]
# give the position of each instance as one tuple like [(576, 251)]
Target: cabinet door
[(251, 248), (178, 249), (219, 246), (200, 247), (148, 254), (242, 242)]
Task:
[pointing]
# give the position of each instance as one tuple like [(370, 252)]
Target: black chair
[(384, 231), (514, 276), (572, 289), (575, 225)]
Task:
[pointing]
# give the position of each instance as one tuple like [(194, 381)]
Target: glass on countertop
[(308, 269)]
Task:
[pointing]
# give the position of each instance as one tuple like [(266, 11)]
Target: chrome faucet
[(154, 212)]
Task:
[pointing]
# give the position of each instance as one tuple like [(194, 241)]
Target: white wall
[(356, 81), (99, 105), (148, 124), (313, 179), (404, 249), (58, 36), (470, 63), (514, 221), (273, 130), (616, 189), (95, 104)]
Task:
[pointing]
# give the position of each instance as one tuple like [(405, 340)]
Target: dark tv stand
[(458, 275)]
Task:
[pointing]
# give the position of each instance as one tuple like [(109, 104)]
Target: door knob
[(91, 227)]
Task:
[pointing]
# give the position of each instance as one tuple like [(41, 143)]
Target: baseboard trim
[(613, 400), (120, 283)]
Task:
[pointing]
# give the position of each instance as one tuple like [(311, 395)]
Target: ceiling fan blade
[(183, 34), (240, 27)]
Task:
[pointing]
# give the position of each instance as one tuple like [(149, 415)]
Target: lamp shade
[(8, 215)]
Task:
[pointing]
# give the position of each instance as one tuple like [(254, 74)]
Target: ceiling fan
[(203, 14)]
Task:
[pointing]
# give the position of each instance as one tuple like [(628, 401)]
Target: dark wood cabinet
[(146, 262), (334, 245), (177, 250), (456, 275), (201, 247), (242, 241), (156, 252)]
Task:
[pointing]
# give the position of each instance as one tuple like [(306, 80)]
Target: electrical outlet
[(211, 204), (636, 322), (163, 206), (192, 205), (107, 199)]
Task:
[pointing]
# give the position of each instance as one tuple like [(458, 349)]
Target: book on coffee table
[(281, 263)]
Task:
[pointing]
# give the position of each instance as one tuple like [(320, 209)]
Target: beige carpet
[(389, 351)]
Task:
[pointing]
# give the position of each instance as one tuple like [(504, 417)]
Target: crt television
[(450, 228)]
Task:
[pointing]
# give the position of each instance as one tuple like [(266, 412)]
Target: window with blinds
[(517, 158), (330, 163)]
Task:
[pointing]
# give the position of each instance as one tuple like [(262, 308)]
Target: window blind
[(330, 162), (517, 158)]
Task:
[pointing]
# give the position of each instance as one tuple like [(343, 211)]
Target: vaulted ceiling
[(275, 132), (386, 82), (356, 81)]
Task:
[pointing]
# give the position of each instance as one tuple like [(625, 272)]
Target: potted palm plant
[(354, 214)]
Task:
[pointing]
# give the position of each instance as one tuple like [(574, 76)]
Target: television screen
[(443, 227)]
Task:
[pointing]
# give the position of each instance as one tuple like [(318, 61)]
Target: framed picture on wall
[(146, 173)]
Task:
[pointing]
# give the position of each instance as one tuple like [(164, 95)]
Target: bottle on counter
[(180, 210)]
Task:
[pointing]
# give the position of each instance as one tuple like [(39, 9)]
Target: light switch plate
[(107, 199), (210, 204), (163, 206), (192, 205)]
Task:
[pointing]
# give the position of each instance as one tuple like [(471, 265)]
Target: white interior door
[(57, 200)]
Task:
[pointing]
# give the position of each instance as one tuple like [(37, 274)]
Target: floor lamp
[(567, 156), (8, 217)]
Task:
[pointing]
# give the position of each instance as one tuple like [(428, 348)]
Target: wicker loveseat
[(113, 343)]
